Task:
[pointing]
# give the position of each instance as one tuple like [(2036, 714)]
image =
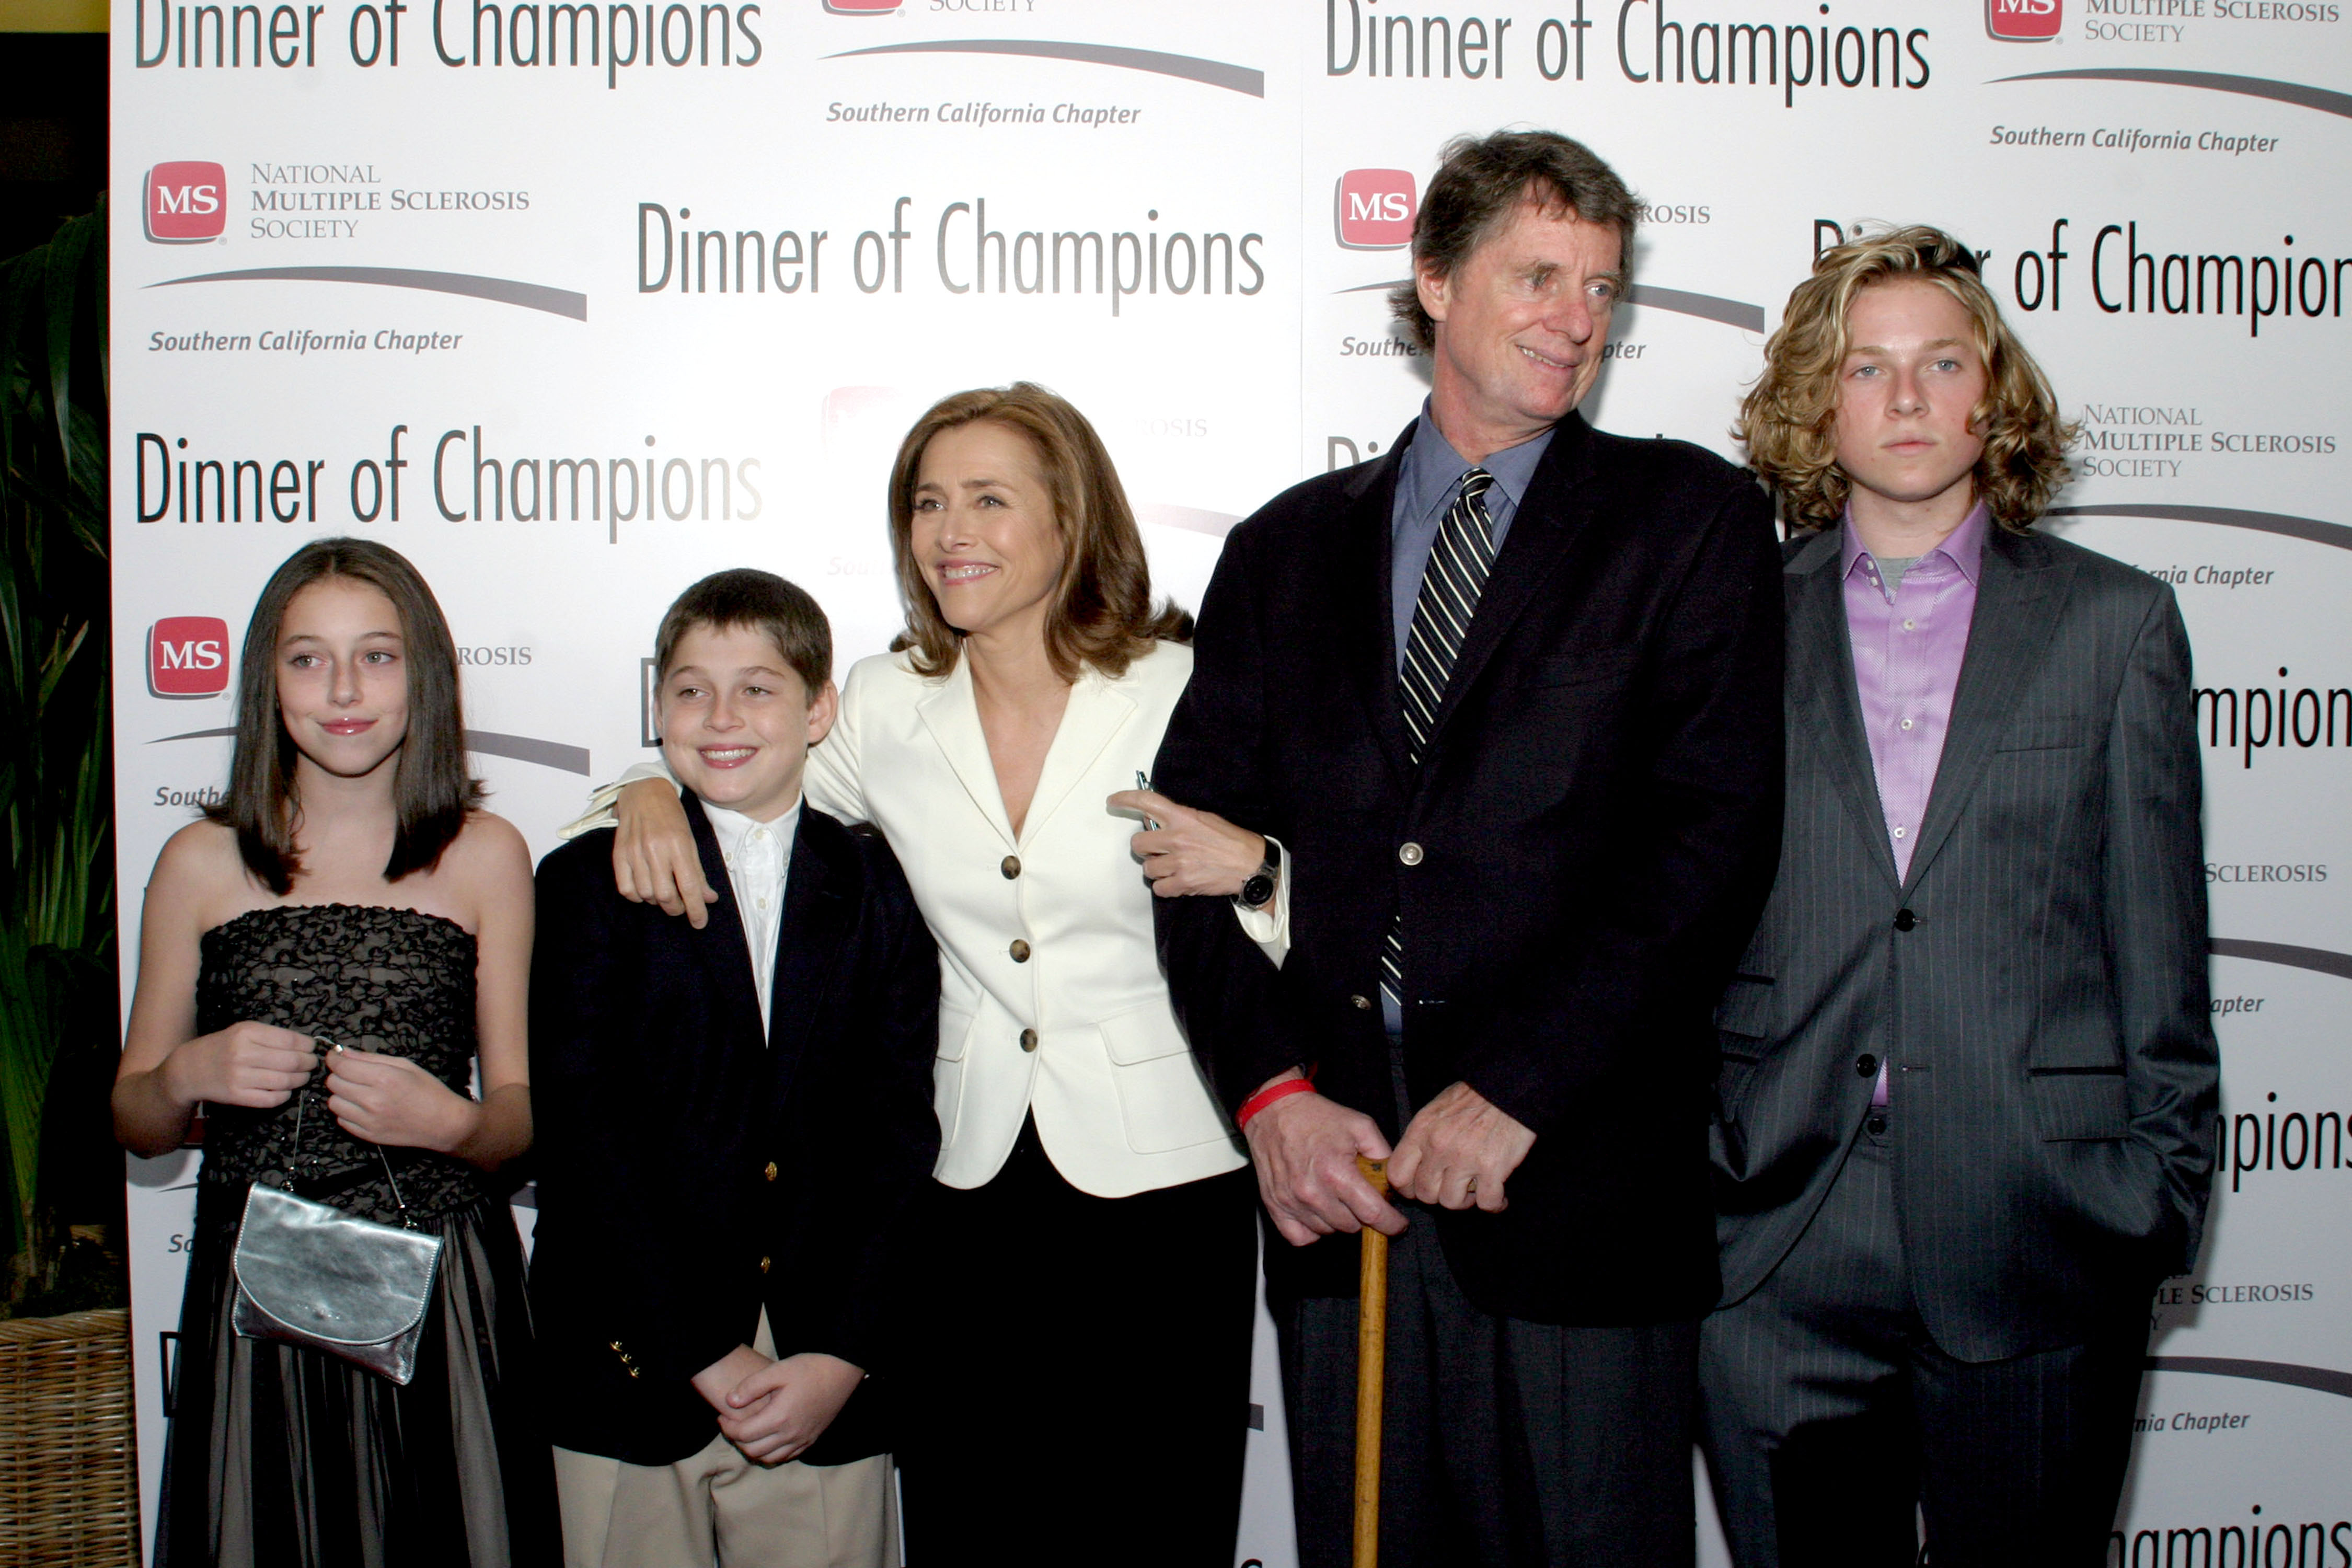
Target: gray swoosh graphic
[(2293, 92), (505, 291), (1706, 307), (2324, 1379), (523, 749), (2319, 959), (489, 743), (1216, 524), (1213, 73), (2310, 528)]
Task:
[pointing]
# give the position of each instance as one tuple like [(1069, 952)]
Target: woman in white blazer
[(1080, 1332)]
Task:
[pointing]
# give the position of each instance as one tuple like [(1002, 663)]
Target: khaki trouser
[(718, 1510)]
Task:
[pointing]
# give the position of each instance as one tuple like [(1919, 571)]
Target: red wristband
[(1265, 1097)]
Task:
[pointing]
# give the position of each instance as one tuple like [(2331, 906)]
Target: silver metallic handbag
[(309, 1274)]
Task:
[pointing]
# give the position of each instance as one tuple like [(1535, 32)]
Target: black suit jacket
[(691, 1173), (2037, 979), (1591, 833)]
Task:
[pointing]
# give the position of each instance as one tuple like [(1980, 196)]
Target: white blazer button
[(1028, 1039), (1020, 950)]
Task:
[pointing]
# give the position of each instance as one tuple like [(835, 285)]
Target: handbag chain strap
[(302, 1102)]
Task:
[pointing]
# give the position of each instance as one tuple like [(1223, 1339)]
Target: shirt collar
[(1432, 466), (1963, 547), (733, 827)]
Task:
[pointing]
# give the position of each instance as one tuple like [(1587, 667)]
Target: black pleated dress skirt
[(282, 1457)]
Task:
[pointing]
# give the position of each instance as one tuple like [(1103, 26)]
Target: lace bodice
[(393, 980)]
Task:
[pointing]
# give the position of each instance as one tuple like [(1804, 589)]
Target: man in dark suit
[(1969, 1075), (1506, 699), (730, 1122)]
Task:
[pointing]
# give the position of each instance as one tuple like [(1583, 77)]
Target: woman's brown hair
[(1101, 614), (431, 790), (1788, 420)]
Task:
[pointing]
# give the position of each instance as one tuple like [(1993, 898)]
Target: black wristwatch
[(1258, 891)]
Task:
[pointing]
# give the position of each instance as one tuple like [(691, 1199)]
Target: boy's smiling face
[(736, 720)]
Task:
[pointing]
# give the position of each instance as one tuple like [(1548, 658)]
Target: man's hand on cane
[(1458, 1151), (1305, 1149)]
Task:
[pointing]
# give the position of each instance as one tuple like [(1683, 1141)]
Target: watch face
[(1257, 891)]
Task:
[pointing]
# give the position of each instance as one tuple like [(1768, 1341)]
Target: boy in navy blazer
[(730, 1122)]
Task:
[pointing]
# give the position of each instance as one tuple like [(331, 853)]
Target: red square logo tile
[(1374, 209), (187, 655), (2024, 21), (187, 203)]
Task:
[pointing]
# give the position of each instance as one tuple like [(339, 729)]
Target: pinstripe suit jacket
[(2038, 982)]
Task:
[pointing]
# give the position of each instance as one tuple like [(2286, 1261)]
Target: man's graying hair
[(1482, 181)]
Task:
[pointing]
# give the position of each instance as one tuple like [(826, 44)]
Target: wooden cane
[(1371, 1366)]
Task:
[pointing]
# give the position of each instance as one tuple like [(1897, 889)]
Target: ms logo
[(1374, 209), (187, 655), (2024, 21), (187, 204)]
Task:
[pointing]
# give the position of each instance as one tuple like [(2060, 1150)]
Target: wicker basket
[(68, 1474)]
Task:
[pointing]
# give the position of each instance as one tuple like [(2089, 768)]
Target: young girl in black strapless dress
[(347, 891)]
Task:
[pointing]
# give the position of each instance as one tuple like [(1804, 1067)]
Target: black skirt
[(283, 1457), (1076, 1371)]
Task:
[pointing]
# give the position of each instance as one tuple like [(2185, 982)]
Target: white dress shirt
[(759, 857)]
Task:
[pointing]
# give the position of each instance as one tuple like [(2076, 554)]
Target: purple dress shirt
[(1908, 642)]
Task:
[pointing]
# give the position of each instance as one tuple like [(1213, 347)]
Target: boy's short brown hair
[(782, 612)]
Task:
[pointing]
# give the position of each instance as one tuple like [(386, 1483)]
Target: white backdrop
[(572, 304)]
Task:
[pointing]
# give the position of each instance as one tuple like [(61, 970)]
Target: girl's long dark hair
[(431, 788)]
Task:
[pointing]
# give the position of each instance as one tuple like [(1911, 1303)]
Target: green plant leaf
[(105, 322), (62, 282), (17, 279), (28, 1048), (57, 936)]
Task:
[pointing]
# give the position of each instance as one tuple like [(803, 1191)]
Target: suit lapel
[(2019, 590), (1367, 651), (1551, 516), (721, 950), (952, 716), (1097, 711), (808, 947), (1825, 703)]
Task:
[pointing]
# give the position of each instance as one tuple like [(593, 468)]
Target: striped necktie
[(1449, 585)]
